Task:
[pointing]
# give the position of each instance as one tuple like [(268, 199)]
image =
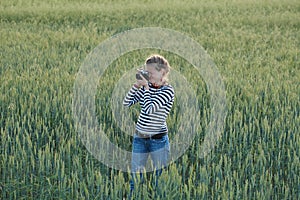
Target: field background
[(255, 46)]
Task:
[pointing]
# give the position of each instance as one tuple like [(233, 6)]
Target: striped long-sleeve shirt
[(155, 103)]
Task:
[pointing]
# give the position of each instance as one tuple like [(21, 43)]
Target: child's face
[(155, 76)]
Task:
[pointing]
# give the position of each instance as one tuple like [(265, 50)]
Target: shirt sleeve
[(158, 103), (132, 97)]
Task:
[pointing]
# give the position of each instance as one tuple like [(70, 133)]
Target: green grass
[(255, 46)]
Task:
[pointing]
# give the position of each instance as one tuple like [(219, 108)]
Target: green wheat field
[(255, 46)]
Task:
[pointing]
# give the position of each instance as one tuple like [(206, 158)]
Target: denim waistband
[(150, 136)]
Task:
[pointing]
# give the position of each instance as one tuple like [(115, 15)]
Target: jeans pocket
[(159, 144)]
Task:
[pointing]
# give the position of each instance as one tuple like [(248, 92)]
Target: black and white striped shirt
[(155, 103)]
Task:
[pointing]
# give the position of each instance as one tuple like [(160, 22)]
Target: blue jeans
[(158, 149)]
